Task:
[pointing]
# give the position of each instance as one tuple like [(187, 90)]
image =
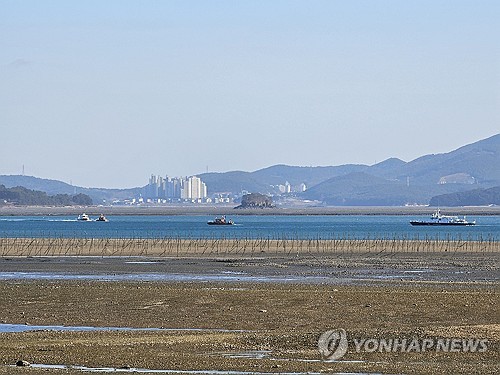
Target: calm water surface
[(273, 227)]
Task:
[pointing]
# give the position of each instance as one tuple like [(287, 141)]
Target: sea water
[(290, 227)]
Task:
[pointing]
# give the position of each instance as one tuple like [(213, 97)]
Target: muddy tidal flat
[(237, 314)]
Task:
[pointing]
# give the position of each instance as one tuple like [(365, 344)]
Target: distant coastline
[(229, 210), (466, 176)]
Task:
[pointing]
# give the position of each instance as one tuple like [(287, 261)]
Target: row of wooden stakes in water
[(177, 246)]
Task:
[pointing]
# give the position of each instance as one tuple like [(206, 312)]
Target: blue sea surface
[(487, 228)]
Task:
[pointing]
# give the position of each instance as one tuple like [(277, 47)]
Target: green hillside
[(54, 187), (476, 197), (22, 196)]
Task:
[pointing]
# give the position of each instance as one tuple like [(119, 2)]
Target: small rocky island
[(256, 200)]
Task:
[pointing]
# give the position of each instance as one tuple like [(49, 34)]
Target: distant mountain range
[(391, 182), (394, 182), (471, 169)]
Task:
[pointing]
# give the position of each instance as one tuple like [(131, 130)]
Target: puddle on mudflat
[(389, 277), (188, 372), (251, 354), (142, 262), (15, 328), (425, 270), (178, 277), (266, 354), (320, 360)]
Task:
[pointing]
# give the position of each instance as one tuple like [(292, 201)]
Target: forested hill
[(25, 197), (54, 187), (476, 197)]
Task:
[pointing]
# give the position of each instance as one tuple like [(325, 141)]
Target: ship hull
[(440, 224)]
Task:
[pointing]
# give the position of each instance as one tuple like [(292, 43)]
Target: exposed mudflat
[(247, 315), (357, 268)]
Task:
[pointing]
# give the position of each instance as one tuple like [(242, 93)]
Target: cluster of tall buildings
[(177, 188), (288, 188), (192, 189)]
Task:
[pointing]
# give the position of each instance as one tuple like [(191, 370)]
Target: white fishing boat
[(84, 217)]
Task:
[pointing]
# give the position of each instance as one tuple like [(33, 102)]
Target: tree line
[(25, 197)]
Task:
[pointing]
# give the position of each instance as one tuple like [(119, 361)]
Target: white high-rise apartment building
[(186, 189), (194, 189)]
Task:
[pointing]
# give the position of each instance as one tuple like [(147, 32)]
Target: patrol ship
[(439, 219)]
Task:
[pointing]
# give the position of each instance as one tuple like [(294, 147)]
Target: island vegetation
[(476, 197), (21, 196), (256, 200)]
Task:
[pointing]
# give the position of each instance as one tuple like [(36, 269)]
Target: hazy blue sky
[(104, 93)]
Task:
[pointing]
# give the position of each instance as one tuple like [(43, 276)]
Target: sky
[(105, 93)]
